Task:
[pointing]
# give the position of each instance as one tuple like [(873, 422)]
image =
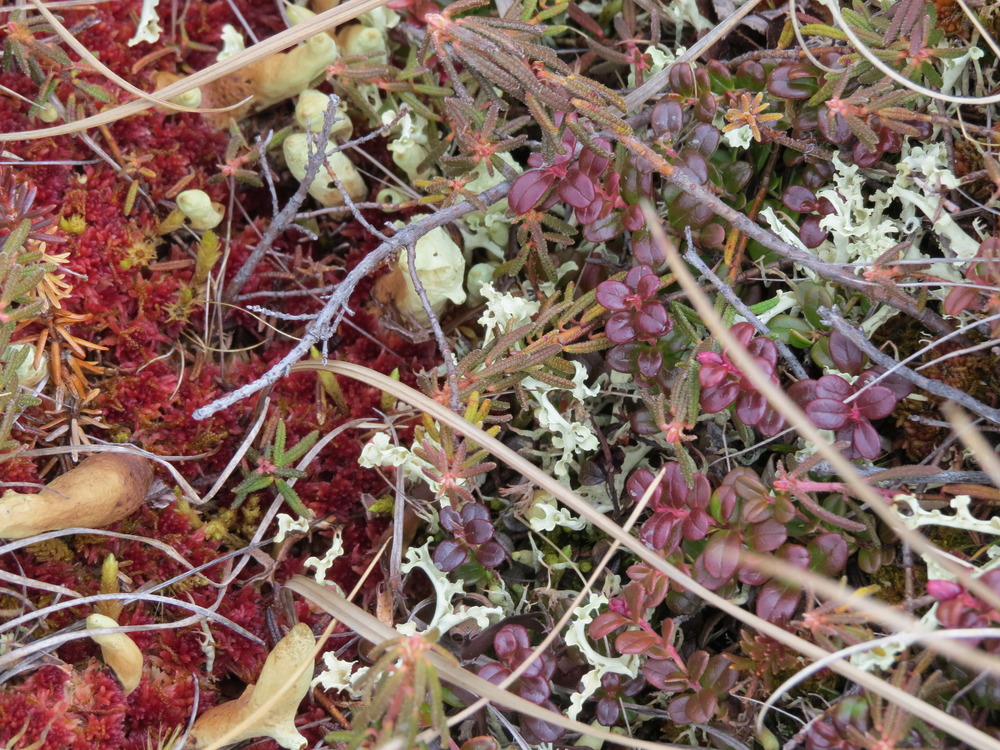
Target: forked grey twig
[(327, 320), (935, 387), (286, 217)]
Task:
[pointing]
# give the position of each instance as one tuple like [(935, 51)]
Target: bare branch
[(286, 218), (936, 387), (333, 311), (442, 341)]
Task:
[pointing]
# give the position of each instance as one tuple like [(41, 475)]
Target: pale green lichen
[(660, 57), (962, 518), (866, 224), (490, 230), (409, 146), (340, 675), (326, 562), (546, 515), (504, 312), (566, 439), (148, 29), (687, 13), (446, 615), (232, 43), (863, 228), (576, 636), (740, 138), (288, 525)]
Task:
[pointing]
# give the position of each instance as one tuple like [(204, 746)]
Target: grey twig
[(352, 207), (886, 294), (286, 217), (917, 477), (741, 307), (268, 312), (935, 387), (327, 320), (262, 144), (289, 293), (442, 342)]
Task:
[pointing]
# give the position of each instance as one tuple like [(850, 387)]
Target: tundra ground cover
[(612, 363)]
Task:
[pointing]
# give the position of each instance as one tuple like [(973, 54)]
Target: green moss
[(51, 550), (75, 224)]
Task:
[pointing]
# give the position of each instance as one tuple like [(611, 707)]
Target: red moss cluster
[(156, 371)]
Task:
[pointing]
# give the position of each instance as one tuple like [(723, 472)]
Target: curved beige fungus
[(275, 78), (222, 725), (323, 190), (103, 489), (119, 652), (201, 211)]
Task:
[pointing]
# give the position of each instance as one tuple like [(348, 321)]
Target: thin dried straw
[(104, 70), (277, 43), (865, 51)]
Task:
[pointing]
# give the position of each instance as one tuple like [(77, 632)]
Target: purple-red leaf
[(777, 602), (845, 355), (449, 555), (529, 189), (766, 536), (576, 189), (875, 402), (612, 295), (664, 674), (490, 555), (621, 328), (635, 642), (799, 199), (827, 414), (865, 439), (722, 554), (478, 531), (605, 624)]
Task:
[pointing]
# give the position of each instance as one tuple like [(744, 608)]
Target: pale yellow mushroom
[(296, 148), (200, 210), (319, 6), (441, 270), (266, 82), (285, 74), (356, 39), (119, 652), (248, 716), (29, 374), (310, 109), (103, 489)]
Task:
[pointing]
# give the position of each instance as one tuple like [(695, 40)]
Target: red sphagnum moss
[(128, 278)]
